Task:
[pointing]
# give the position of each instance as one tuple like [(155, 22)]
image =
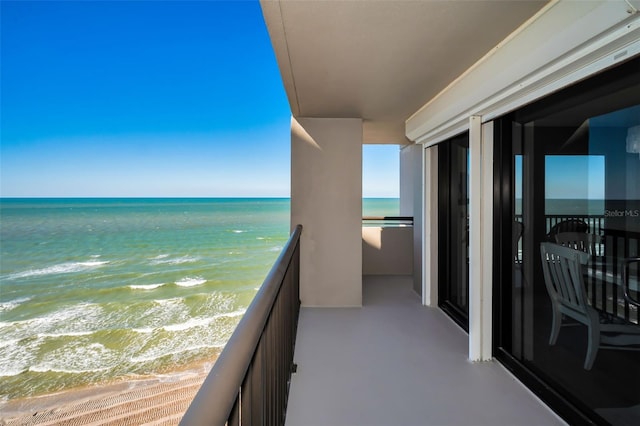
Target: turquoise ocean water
[(93, 290)]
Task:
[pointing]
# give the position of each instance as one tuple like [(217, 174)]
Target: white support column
[(430, 227), (479, 249)]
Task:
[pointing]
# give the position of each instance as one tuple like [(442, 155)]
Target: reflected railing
[(249, 382), (594, 222), (606, 274)]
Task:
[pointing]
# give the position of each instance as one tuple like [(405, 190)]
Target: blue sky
[(569, 177), (146, 99)]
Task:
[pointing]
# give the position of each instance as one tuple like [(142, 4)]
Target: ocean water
[(92, 290), (380, 207), (95, 290)]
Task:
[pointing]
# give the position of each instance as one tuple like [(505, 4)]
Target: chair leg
[(593, 330), (556, 322)]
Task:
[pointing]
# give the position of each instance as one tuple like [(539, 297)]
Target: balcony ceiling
[(382, 60)]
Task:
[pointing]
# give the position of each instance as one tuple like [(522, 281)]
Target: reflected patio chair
[(562, 268), (569, 225), (583, 241)]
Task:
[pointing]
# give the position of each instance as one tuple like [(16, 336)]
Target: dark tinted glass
[(569, 310)]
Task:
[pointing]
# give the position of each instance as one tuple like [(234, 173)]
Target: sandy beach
[(157, 400)]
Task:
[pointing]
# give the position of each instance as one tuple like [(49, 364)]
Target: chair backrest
[(569, 225), (588, 243), (563, 275)]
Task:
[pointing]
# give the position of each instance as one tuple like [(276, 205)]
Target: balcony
[(391, 361), (394, 361)]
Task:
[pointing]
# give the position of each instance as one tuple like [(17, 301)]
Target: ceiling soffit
[(382, 60)]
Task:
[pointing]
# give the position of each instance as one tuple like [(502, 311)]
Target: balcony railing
[(387, 221), (249, 383)]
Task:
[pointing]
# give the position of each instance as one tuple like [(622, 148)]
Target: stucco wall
[(387, 250), (326, 198), (406, 182)]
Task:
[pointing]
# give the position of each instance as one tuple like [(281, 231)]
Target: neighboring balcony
[(387, 245)]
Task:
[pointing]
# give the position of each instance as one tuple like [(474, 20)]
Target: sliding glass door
[(568, 246), (453, 220)]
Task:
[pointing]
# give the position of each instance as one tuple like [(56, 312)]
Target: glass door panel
[(454, 225), (569, 312)]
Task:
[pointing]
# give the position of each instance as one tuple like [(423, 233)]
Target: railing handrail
[(214, 401), (404, 218)]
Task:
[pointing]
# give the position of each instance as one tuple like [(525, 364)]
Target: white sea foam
[(171, 301), (8, 342), (160, 256), (190, 282), (159, 354), (276, 248), (65, 334), (61, 268), (192, 323), (145, 286), (12, 304), (16, 356), (200, 322), (77, 359), (149, 317), (238, 231), (47, 368), (145, 330), (175, 260), (75, 320), (233, 314), (9, 372), (188, 335)]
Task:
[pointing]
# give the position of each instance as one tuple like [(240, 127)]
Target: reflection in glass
[(575, 232)]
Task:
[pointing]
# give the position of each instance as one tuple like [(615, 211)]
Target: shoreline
[(155, 399)]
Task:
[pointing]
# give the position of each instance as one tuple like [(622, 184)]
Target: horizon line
[(62, 197)]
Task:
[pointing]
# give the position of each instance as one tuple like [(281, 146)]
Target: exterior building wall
[(326, 198)]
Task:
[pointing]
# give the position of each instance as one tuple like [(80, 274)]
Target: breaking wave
[(61, 268), (190, 282)]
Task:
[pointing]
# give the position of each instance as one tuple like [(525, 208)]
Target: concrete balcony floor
[(395, 362)]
